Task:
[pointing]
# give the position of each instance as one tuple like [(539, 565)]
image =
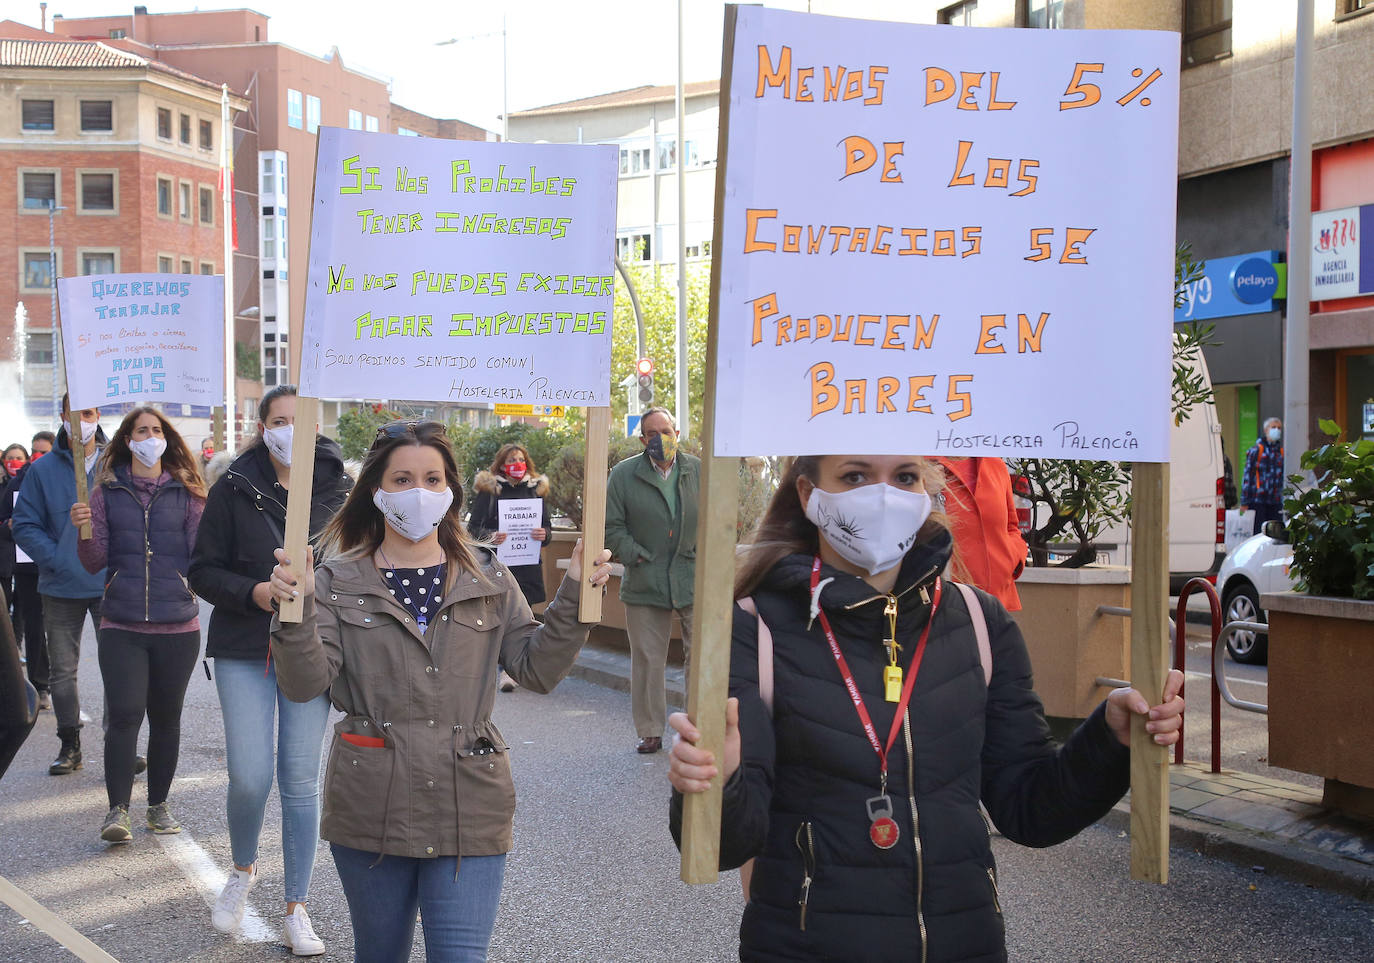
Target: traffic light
[(644, 367)]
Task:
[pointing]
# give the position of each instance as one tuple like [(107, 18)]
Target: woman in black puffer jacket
[(849, 864)]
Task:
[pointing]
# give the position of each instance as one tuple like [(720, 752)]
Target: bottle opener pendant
[(882, 828)]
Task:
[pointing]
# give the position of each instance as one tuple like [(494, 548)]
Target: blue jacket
[(43, 527)]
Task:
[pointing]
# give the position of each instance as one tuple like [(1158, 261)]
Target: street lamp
[(505, 73), (52, 309)]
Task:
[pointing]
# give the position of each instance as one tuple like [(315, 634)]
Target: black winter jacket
[(798, 798), (243, 523), (482, 523)]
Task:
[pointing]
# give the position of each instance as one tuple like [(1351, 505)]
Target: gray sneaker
[(116, 828), (161, 820)]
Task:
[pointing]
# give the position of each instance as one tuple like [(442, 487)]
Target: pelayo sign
[(1239, 284)]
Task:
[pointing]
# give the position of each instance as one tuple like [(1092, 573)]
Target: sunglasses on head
[(398, 429)]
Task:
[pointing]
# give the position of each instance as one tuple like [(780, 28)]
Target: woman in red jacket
[(989, 551)]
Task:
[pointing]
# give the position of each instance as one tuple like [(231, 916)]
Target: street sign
[(530, 411), (632, 425)]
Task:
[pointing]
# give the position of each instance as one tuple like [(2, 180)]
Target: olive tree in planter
[(1321, 636)]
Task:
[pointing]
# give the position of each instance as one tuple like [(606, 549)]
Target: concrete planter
[(1321, 702), (1070, 644)]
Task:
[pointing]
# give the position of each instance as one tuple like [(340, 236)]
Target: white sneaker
[(227, 913), (299, 935)]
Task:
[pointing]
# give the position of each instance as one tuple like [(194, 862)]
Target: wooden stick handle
[(298, 497), (1149, 668), (594, 507), (83, 494)]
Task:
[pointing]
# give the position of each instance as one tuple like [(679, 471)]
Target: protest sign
[(20, 556), (460, 271), (517, 517), (948, 241), (941, 241), (143, 338)]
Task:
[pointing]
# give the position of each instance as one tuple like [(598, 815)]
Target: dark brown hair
[(265, 409), (785, 530), (357, 530), (177, 459), (499, 462)]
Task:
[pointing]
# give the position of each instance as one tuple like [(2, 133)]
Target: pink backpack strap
[(765, 653), (980, 628)]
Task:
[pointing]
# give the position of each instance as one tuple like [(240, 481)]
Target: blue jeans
[(457, 904), (248, 697), (64, 619)]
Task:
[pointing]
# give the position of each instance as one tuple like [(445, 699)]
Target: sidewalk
[(1275, 826)]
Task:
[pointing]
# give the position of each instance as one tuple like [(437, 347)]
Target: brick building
[(119, 155)]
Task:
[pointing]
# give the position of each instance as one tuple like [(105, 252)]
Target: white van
[(1197, 510)]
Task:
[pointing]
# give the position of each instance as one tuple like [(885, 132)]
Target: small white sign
[(1336, 254), (143, 338), (517, 517), (19, 554)]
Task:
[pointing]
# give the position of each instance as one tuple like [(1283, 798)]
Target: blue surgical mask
[(1274, 435)]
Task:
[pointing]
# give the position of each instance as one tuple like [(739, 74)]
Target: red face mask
[(12, 465), (516, 470), (38, 454)]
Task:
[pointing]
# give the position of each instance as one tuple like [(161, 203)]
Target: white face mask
[(415, 512), (278, 442), (149, 450), (871, 527), (88, 430), (1275, 434)]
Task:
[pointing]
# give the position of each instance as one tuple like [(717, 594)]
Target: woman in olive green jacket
[(404, 628)]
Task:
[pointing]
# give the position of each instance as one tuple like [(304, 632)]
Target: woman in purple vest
[(143, 512)]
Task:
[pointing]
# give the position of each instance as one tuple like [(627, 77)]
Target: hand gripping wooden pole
[(708, 679), (593, 507), (1149, 668), (298, 497), (79, 466)]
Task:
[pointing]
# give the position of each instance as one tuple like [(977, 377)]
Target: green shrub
[(1331, 524)]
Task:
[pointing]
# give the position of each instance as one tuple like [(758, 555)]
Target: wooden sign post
[(79, 465), (911, 250), (594, 505)]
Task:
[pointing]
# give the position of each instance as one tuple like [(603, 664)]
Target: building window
[(634, 160), (207, 267), (37, 271), (39, 348), (372, 124), (407, 132), (1206, 31), (269, 238), (37, 114), (40, 190), (164, 264), (1041, 14), (186, 267), (97, 116), (312, 113), (186, 129), (294, 110), (633, 247), (1355, 6), (355, 119), (667, 153), (97, 192), (207, 205), (117, 34), (184, 196), (164, 196), (269, 175), (98, 262), (961, 14), (164, 123), (207, 135)]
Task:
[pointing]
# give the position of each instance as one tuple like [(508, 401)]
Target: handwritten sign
[(459, 271), (517, 517), (155, 338), (947, 240)]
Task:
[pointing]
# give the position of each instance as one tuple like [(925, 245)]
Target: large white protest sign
[(155, 338), (518, 517), (947, 241), (460, 271)]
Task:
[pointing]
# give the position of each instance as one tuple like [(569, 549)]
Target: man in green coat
[(651, 526)]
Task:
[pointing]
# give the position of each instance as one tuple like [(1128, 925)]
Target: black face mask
[(662, 448)]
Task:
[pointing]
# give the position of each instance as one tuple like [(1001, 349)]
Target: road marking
[(200, 869), (1229, 680)]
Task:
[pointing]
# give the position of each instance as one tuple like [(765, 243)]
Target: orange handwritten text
[(889, 395), (761, 234), (998, 172), (894, 332), (941, 86), (836, 83)]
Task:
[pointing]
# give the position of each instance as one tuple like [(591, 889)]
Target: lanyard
[(853, 687)]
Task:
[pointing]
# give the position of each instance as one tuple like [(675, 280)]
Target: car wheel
[(1242, 605)]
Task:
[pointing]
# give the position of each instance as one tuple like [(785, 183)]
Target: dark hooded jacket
[(798, 800), (490, 489), (243, 524), (42, 525)]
